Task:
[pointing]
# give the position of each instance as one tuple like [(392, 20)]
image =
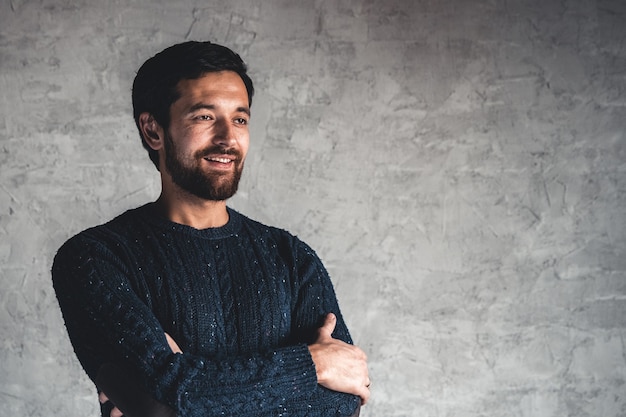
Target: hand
[(150, 406), (115, 412), (172, 344), (339, 366)]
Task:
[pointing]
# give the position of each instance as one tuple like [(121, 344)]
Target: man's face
[(208, 138)]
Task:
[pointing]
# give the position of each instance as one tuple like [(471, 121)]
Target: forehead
[(217, 85)]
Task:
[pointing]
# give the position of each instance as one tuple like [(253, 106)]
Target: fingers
[(328, 327), (364, 386), (102, 397), (363, 390), (115, 412), (367, 392), (365, 396)]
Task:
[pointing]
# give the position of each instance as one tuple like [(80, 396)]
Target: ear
[(151, 131)]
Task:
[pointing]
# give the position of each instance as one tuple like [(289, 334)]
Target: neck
[(184, 208)]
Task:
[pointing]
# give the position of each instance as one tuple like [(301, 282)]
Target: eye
[(204, 117), (241, 121)]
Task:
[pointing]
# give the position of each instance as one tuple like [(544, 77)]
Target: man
[(207, 311)]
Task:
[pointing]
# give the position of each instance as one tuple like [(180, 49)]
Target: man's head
[(155, 87)]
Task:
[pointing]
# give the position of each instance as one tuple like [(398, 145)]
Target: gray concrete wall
[(460, 166)]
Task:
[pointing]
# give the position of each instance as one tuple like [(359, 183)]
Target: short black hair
[(154, 88)]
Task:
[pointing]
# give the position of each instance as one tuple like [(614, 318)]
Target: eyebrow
[(199, 106)]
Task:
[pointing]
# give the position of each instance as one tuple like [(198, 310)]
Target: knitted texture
[(242, 301)]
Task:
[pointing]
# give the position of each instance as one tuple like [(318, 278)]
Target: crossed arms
[(339, 367), (107, 323)]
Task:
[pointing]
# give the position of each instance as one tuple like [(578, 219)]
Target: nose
[(224, 133)]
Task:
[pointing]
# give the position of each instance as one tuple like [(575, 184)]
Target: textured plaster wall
[(460, 166)]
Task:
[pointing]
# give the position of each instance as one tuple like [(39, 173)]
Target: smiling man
[(202, 310)]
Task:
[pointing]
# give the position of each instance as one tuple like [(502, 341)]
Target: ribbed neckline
[(149, 214)]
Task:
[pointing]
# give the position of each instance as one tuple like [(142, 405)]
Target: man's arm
[(127, 393), (340, 366), (128, 397)]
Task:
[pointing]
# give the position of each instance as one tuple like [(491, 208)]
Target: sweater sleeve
[(108, 323), (315, 299)]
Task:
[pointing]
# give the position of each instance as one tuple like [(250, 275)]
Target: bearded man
[(196, 307)]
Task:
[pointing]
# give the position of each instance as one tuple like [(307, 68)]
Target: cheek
[(244, 143), (189, 140), (244, 151)]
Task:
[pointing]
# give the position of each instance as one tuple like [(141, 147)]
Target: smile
[(220, 160)]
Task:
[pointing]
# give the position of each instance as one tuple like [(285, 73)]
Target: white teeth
[(222, 160)]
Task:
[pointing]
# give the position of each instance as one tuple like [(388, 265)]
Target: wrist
[(320, 373)]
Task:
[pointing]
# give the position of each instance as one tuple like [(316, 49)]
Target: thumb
[(329, 325), (172, 344)]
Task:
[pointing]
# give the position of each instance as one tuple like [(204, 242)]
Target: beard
[(187, 173)]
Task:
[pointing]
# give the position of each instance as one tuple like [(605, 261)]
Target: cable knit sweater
[(242, 301)]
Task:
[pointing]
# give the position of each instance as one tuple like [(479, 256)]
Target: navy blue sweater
[(242, 301)]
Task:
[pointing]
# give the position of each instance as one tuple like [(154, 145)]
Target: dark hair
[(154, 88)]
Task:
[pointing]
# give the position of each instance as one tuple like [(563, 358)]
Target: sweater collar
[(149, 214)]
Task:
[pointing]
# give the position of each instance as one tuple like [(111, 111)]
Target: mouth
[(219, 159), (220, 162)]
